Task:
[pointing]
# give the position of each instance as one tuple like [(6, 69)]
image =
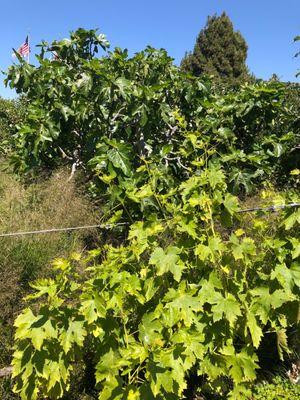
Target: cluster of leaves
[(278, 389), (188, 292), (234, 134)]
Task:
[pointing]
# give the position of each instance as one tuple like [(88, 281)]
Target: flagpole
[(28, 58)]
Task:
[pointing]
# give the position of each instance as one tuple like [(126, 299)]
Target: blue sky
[(268, 26)]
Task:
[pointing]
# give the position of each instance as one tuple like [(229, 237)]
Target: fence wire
[(272, 208)]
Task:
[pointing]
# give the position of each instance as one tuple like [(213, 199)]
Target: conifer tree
[(219, 51)]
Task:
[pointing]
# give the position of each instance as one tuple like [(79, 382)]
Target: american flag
[(24, 50)]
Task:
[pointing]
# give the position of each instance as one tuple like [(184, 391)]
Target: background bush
[(12, 113), (279, 389)]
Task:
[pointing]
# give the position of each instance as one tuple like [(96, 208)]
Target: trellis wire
[(53, 230), (270, 208), (109, 226)]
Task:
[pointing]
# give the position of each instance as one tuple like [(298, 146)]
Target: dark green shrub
[(106, 113)]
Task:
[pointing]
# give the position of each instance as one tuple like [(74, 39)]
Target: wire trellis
[(272, 208)]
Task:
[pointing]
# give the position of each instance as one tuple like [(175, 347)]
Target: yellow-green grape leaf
[(254, 328), (75, 334), (167, 261)]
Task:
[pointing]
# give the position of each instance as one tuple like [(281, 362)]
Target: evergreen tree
[(219, 51)]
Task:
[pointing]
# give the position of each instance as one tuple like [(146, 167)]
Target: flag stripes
[(24, 50)]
